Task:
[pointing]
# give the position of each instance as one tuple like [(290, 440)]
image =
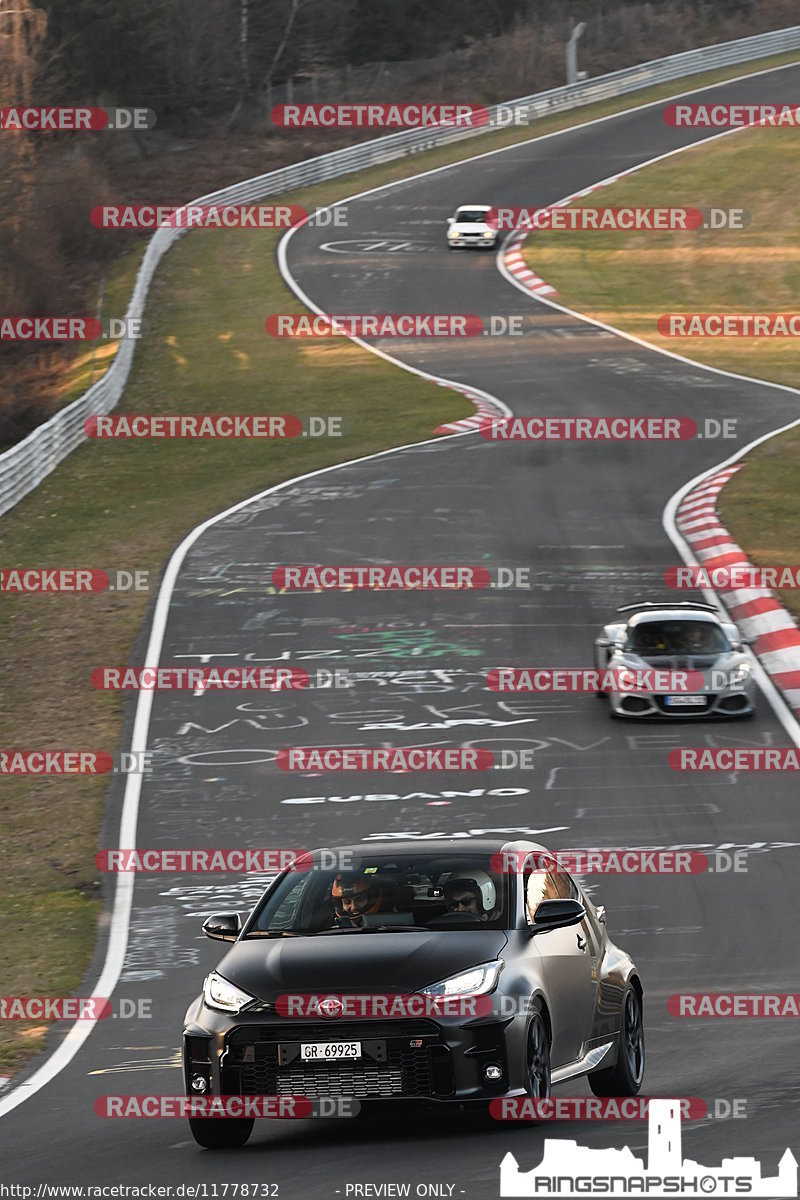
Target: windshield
[(477, 215), (652, 639), (386, 893)]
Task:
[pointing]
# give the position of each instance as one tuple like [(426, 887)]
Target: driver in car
[(473, 895), (698, 639), (354, 896)]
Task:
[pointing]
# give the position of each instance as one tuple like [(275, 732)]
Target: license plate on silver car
[(327, 1051), (685, 701)]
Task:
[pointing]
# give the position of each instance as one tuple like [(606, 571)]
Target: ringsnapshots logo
[(568, 1169)]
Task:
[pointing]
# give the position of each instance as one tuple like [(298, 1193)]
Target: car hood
[(470, 226), (374, 962), (728, 660)]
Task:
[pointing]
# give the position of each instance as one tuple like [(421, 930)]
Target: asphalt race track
[(587, 518)]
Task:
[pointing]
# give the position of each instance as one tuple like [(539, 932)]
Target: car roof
[(482, 207), (673, 614), (438, 847)]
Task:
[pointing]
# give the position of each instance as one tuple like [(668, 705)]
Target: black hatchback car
[(439, 972)]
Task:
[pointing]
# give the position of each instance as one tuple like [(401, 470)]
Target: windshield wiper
[(263, 933)]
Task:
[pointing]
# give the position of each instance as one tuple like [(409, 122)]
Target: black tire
[(625, 1079), (221, 1133), (537, 1057)]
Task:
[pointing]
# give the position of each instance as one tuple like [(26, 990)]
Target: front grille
[(403, 1075), (251, 1065)]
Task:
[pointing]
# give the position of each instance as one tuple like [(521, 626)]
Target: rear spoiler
[(644, 605)]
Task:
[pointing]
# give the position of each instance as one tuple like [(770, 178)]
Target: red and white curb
[(515, 263), (755, 610), (512, 255), (486, 409)]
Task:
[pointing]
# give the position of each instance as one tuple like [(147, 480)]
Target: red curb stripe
[(779, 639), (753, 608)]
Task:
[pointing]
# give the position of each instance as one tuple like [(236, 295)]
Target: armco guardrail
[(24, 466)]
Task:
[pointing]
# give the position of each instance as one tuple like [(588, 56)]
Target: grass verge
[(127, 505)]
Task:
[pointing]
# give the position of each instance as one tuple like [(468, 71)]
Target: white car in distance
[(468, 227)]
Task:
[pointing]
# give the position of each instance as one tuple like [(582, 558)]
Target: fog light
[(492, 1073), (199, 1083)]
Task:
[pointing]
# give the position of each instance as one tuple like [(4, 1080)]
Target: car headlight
[(488, 233), (477, 981), (221, 994), (740, 675), (453, 233)]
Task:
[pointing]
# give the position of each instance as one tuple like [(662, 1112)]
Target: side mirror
[(223, 927), (556, 914), (601, 914), (450, 220), (748, 641), (603, 642)]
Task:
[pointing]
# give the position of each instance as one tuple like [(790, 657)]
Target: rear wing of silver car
[(644, 605)]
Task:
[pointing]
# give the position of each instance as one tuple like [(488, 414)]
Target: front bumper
[(474, 240), (730, 703), (438, 1061)]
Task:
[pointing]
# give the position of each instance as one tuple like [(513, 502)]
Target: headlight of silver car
[(740, 675)]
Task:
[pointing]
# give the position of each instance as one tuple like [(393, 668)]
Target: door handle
[(581, 942)]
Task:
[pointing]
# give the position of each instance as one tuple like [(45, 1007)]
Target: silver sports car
[(672, 638)]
